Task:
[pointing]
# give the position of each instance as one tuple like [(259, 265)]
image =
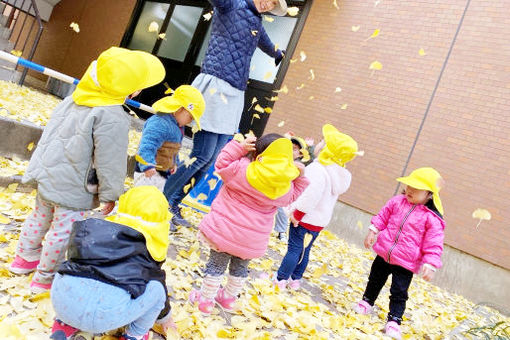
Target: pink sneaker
[(392, 329), (294, 284), (363, 307), (282, 284), (205, 305), (21, 266), (62, 330), (227, 303), (37, 287)]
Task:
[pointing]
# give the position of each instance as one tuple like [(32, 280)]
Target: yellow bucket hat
[(145, 209), (426, 179), (272, 172), (117, 73), (185, 96), (340, 148)]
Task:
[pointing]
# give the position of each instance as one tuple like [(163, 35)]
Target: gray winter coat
[(77, 139)]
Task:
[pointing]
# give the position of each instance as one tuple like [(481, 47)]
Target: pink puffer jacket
[(409, 235), (242, 218)]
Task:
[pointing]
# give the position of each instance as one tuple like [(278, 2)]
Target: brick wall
[(467, 132)]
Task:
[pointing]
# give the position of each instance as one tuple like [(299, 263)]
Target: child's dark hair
[(264, 141), (430, 203)]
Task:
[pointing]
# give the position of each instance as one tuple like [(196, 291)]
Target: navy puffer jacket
[(236, 32)]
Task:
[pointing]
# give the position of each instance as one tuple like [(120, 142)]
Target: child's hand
[(293, 221), (149, 173), (248, 143), (108, 207), (427, 273), (370, 239), (173, 170), (167, 326), (301, 168)]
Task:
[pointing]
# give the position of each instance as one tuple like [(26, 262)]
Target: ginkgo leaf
[(302, 55), (75, 27), (254, 100), (281, 124), (223, 98), (312, 74), (162, 36), (335, 4), (212, 91), (343, 107), (188, 161), (201, 197), (292, 11), (256, 115), (268, 18), (268, 110), (338, 90), (12, 187), (153, 27), (192, 181), (320, 271), (16, 53), (360, 153), (300, 87), (259, 108), (208, 16), (30, 146), (482, 215), (375, 34), (212, 183), (4, 220), (311, 98), (421, 52), (254, 33), (376, 65), (283, 90), (355, 28), (186, 188)]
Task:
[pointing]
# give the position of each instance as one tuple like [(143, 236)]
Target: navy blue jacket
[(236, 32)]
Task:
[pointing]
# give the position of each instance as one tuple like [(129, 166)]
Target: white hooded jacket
[(327, 182)]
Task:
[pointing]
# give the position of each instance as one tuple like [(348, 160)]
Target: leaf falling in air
[(268, 18), (162, 36), (300, 87), (375, 66), (338, 90), (302, 55), (30, 146), (75, 27), (281, 124), (223, 98), (311, 98), (259, 108), (192, 182), (292, 11), (481, 214), (153, 27), (355, 28), (421, 52), (16, 53), (276, 46), (375, 34), (360, 225), (312, 74), (254, 33), (343, 107), (212, 91), (208, 16), (335, 4)]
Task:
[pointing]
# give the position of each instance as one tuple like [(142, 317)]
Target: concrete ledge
[(464, 274)]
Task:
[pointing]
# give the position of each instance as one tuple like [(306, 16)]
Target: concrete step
[(3, 19)]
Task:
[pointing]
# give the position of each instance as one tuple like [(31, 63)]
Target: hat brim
[(413, 182), (280, 9), (171, 105), (156, 71)]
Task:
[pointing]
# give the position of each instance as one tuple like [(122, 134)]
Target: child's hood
[(117, 73)]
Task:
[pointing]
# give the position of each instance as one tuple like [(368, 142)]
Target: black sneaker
[(177, 218)]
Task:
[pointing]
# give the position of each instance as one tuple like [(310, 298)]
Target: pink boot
[(205, 305), (37, 287), (21, 266), (226, 302), (294, 284), (392, 329), (363, 307)]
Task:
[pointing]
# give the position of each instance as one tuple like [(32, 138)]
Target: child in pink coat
[(241, 219), (409, 230)]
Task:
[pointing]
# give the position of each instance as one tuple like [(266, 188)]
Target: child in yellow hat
[(241, 219), (84, 142), (113, 276), (410, 231), (313, 210), (162, 135)]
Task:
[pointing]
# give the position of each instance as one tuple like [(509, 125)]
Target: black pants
[(401, 279)]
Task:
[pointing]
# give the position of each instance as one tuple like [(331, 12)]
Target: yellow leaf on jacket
[(213, 182), (292, 11), (421, 52), (355, 28), (376, 65), (259, 108), (268, 75), (272, 99), (212, 91), (30, 146), (268, 18), (256, 115), (254, 33), (192, 182), (153, 27), (268, 110), (239, 137), (201, 197)]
